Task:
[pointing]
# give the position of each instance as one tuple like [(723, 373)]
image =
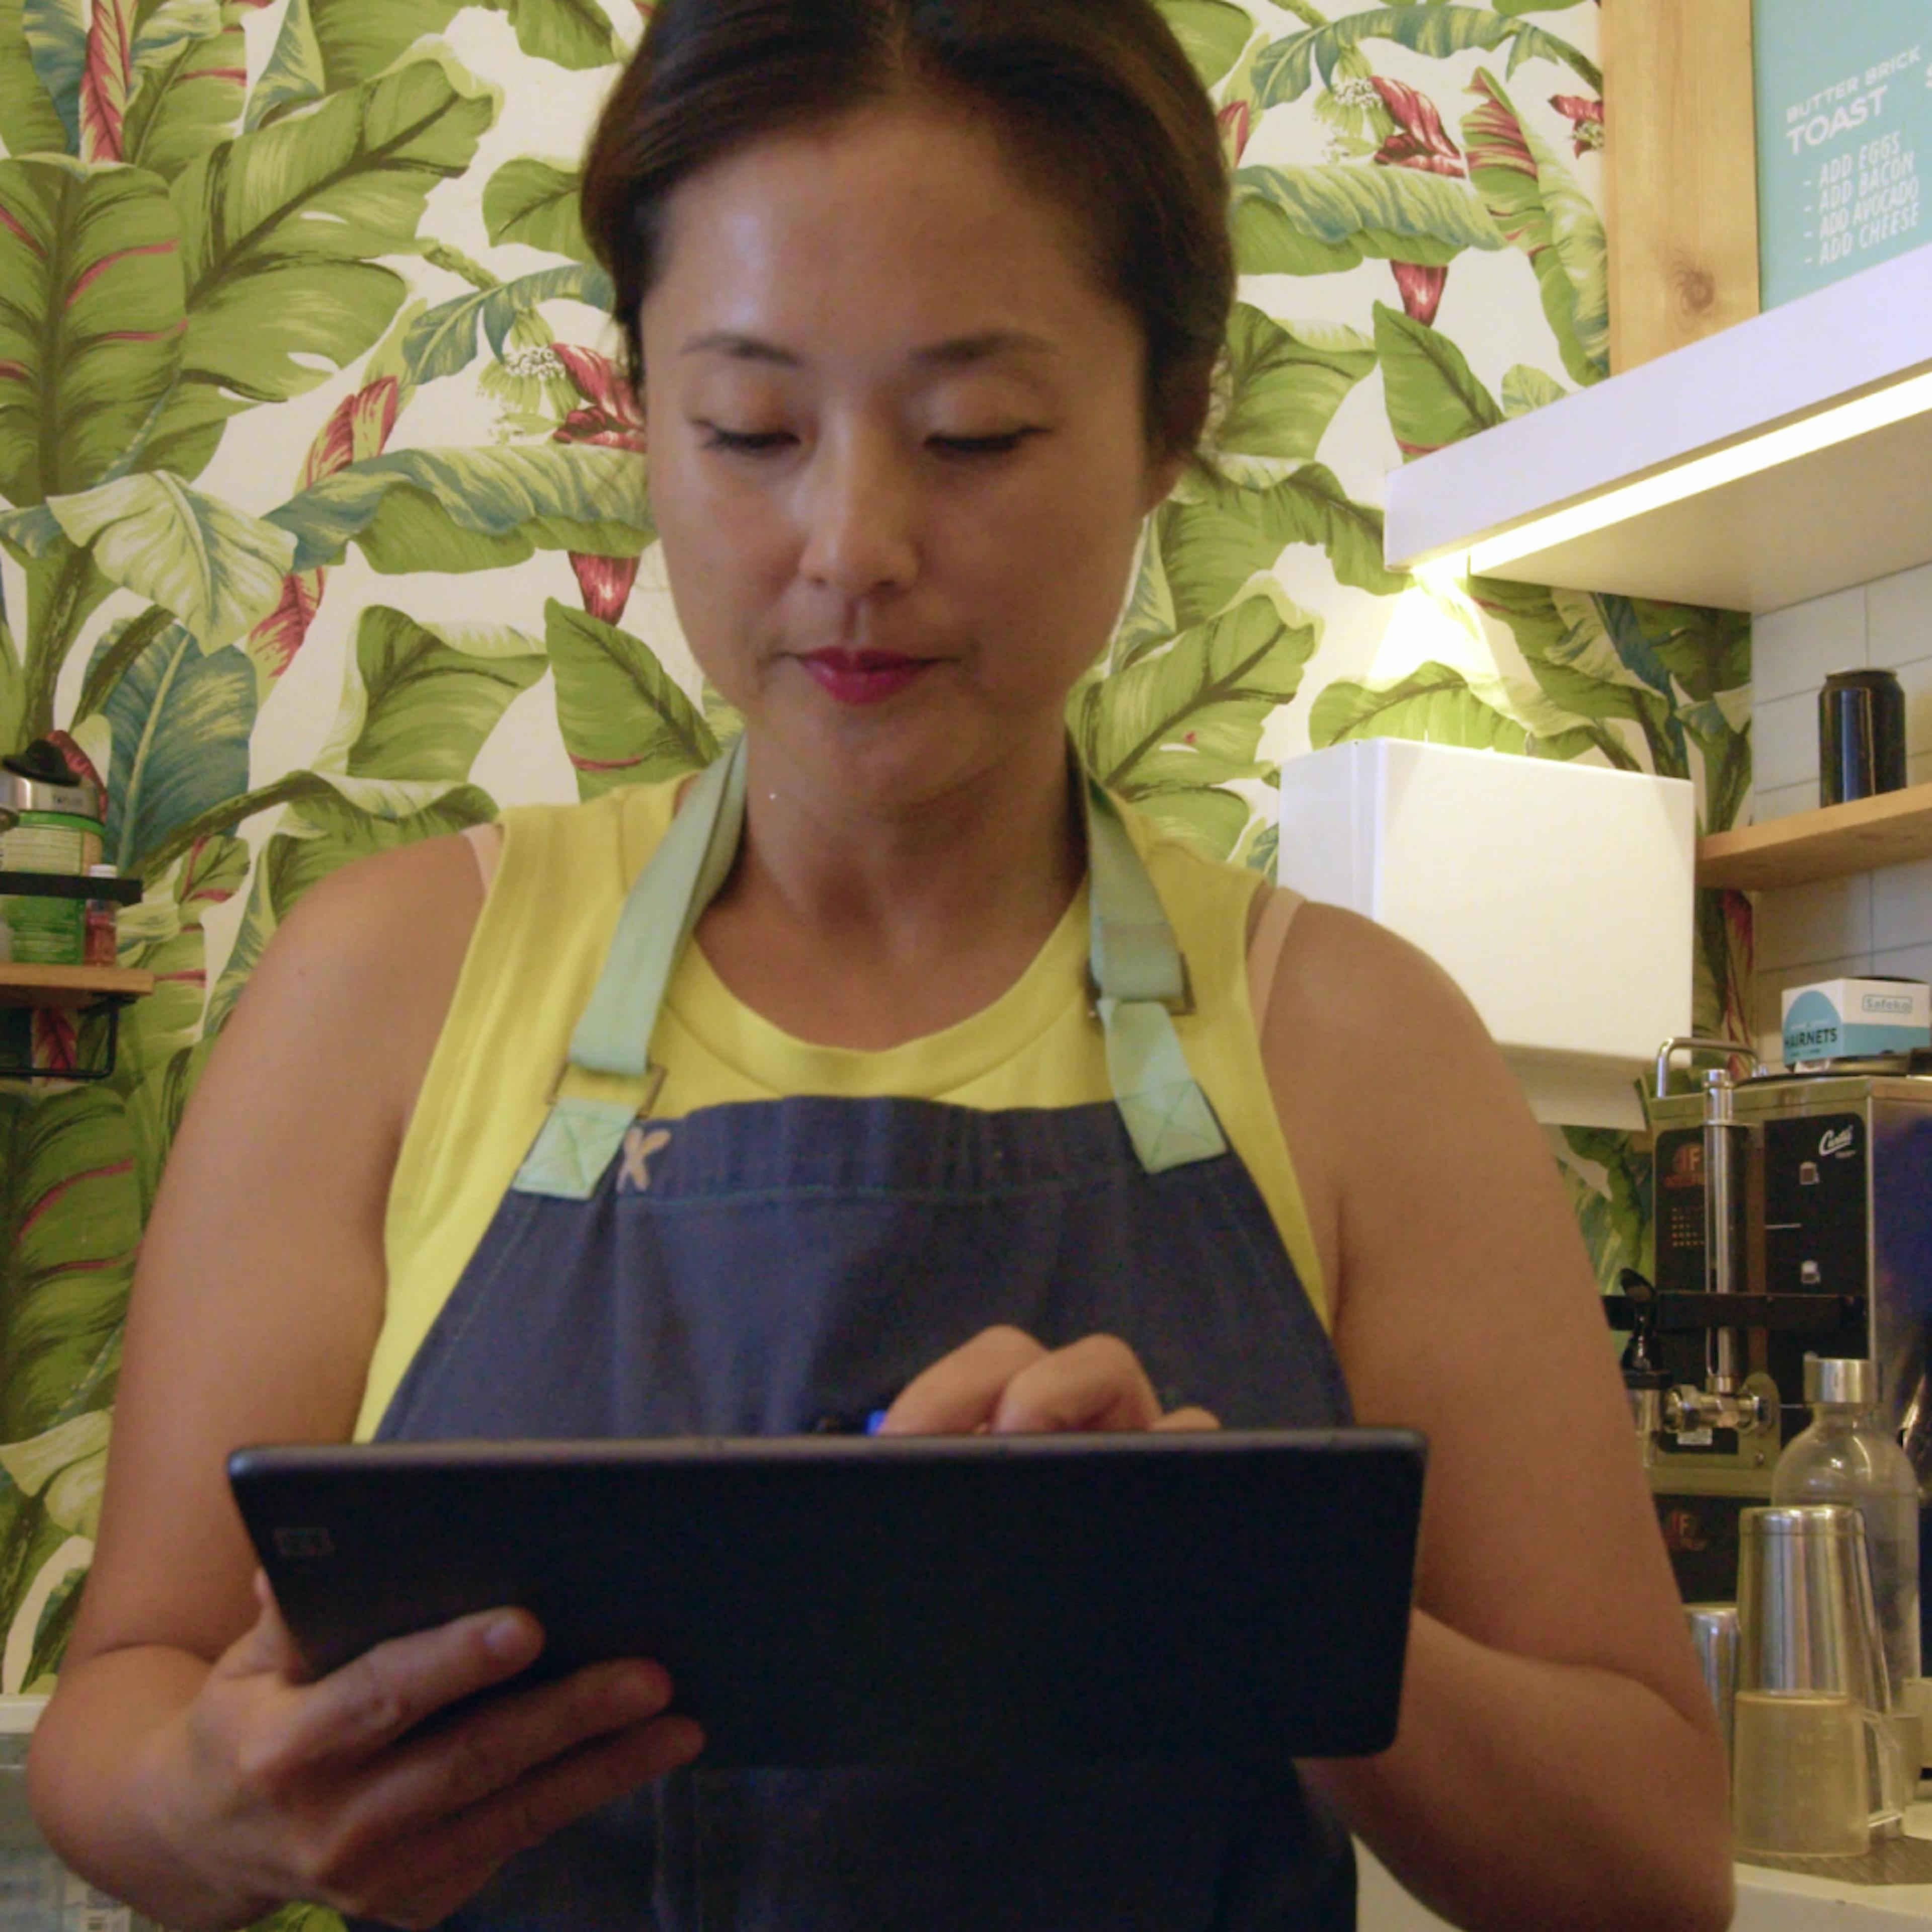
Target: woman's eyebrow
[(958, 352), (741, 348), (964, 350)]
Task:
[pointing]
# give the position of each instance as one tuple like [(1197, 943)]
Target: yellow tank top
[(547, 922)]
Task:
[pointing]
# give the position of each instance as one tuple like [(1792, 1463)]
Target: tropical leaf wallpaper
[(303, 376)]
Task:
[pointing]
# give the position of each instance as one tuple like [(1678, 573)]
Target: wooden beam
[(1682, 167)]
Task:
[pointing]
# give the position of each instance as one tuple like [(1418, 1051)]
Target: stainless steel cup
[(1807, 1629), (1713, 1636)]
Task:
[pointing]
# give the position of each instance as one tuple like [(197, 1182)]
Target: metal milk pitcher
[(1811, 1677)]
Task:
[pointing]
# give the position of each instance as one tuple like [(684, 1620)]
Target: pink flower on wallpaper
[(611, 419), (1421, 289), (106, 80), (1236, 122), (358, 427), (605, 582), (275, 641), (1585, 119), (1419, 140)]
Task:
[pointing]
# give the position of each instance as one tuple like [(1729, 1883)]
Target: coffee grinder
[(1794, 1214)]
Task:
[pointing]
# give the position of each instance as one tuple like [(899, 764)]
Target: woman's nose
[(859, 511)]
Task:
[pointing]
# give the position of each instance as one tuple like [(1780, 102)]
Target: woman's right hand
[(346, 1792)]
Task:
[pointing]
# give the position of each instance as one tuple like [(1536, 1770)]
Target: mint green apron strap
[(1138, 976), (583, 1132), (660, 915), (1139, 982)]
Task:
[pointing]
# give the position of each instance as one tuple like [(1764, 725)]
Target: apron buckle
[(1181, 1005), (653, 1078)]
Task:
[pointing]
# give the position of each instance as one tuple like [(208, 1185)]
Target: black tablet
[(828, 1600)]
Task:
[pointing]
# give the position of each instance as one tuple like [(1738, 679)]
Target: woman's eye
[(746, 442), (1002, 445)]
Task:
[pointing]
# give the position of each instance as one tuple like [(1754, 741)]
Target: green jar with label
[(50, 823)]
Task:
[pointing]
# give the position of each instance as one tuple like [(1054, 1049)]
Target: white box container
[(1560, 897), (1841, 1018)]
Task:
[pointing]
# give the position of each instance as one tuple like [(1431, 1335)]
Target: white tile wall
[(1898, 618), (1916, 678), (1796, 649), (1785, 800), (1880, 923), (1784, 739), (1825, 921), (1901, 908)]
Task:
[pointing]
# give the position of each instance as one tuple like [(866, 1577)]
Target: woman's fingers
[(355, 1712), (960, 1392), (1095, 1383), (1003, 1381), (449, 1769), (444, 1868), (266, 1647)]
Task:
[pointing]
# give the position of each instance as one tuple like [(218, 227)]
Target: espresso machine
[(1794, 1215)]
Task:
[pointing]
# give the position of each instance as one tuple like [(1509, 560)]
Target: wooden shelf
[(1813, 522), (70, 986), (1891, 829)]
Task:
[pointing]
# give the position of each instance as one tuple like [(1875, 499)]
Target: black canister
[(1860, 735)]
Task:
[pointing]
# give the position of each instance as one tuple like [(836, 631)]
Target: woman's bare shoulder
[(382, 939)]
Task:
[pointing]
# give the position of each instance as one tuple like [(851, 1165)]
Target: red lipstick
[(862, 677)]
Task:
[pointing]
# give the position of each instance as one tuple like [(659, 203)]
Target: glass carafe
[(1849, 1456)]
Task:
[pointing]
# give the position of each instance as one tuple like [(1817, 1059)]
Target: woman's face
[(898, 453)]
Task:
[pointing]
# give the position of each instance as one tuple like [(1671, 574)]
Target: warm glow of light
[(1858, 418), (1432, 622)]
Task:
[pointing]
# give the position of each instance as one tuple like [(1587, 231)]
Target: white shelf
[(1815, 523)]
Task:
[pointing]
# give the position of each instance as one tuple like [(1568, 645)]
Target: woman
[(924, 300)]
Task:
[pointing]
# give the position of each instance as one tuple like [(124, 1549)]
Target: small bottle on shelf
[(100, 945)]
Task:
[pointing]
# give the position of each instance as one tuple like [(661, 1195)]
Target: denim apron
[(759, 1268)]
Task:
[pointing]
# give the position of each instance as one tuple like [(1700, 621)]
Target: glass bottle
[(1849, 1456)]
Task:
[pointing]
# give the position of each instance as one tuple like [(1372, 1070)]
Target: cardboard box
[(1849, 1018)]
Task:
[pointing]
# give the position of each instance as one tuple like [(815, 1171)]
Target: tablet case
[(826, 1601)]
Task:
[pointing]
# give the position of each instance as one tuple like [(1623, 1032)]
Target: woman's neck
[(850, 923)]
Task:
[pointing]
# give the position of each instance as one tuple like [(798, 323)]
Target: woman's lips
[(862, 677)]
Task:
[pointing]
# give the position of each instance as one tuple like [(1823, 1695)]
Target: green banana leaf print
[(1433, 396), (324, 522), (624, 721), (535, 202), (1433, 704), (1536, 202), (1169, 732), (1287, 71), (92, 309), (187, 83), (1214, 33), (1325, 220)]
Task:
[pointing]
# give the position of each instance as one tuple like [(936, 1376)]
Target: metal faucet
[(1723, 1403)]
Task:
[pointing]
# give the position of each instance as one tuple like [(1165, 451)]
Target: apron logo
[(639, 1144)]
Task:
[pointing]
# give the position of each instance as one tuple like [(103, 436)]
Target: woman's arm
[(184, 1764), (1558, 1763)]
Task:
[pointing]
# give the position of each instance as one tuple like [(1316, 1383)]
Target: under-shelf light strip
[(1864, 414)]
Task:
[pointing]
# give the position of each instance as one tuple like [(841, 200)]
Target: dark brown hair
[(1096, 94)]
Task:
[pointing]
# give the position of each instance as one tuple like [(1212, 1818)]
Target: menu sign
[(1844, 138)]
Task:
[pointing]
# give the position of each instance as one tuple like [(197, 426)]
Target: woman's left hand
[(1003, 1382)]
